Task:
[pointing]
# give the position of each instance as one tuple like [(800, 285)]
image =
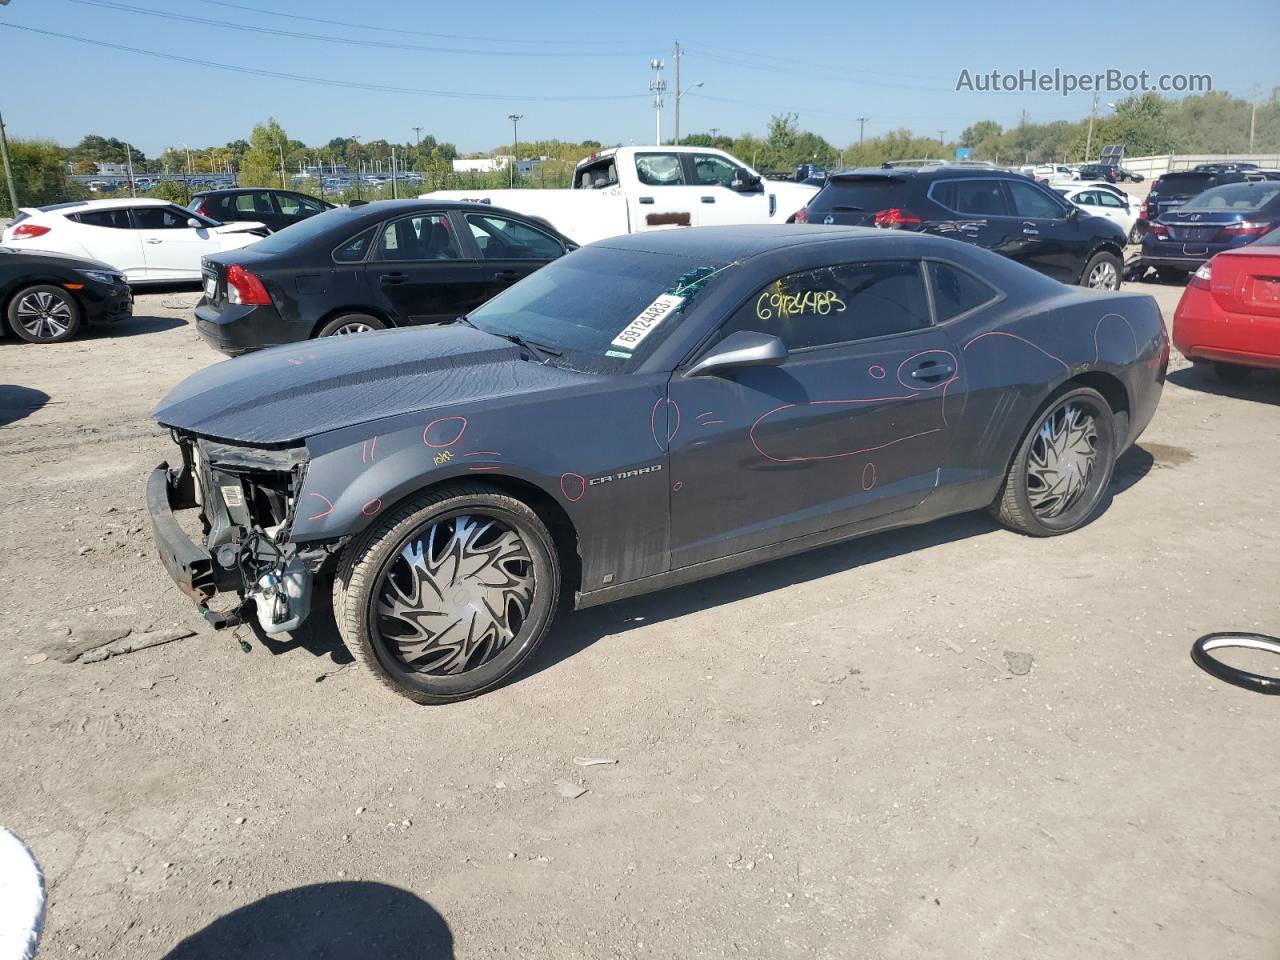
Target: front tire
[(1102, 272), (1061, 470), (44, 314), (351, 323), (449, 594)]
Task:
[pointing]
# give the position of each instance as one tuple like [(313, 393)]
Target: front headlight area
[(246, 498)]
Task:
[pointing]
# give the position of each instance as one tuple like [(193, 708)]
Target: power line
[(302, 78), (814, 75), (754, 55), (398, 31), (343, 41)]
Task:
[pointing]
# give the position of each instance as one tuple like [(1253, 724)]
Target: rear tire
[(1102, 272), (1061, 469), (44, 314), (1231, 373), (1135, 234), (351, 323), (449, 594)]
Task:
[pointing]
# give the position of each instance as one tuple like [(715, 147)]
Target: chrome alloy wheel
[(455, 596), (1061, 460), (349, 328), (44, 315), (1104, 276)]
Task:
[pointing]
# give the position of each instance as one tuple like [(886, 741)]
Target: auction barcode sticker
[(649, 318)]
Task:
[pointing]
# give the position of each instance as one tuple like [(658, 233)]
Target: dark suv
[(1176, 188), (1004, 212), (276, 209)]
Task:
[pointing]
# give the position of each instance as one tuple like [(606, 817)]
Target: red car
[(1229, 314)]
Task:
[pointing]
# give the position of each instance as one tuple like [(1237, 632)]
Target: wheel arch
[(1106, 246), (352, 308), (564, 533)]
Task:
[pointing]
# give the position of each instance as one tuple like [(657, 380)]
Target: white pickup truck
[(630, 189)]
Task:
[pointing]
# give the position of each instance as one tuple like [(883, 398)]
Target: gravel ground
[(946, 742)]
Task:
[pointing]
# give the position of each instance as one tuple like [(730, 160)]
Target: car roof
[(949, 169), (721, 245), (113, 204), (229, 190)]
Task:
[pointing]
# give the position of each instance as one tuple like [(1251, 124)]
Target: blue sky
[(894, 63)]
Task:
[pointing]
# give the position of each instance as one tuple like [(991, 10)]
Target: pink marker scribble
[(670, 431), (868, 476), (1014, 336), (482, 469), (324, 513), (372, 507), (675, 487), (368, 450), (483, 453), (573, 486), (436, 436), (877, 372)]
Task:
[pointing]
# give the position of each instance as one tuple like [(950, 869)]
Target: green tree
[(260, 166), (39, 176)]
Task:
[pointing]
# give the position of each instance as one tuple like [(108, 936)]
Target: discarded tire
[(1200, 653)]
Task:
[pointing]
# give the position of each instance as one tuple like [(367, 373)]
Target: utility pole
[(128, 153), (280, 150), (1088, 140), (8, 170), (862, 122), (1253, 116), (657, 86), (940, 137), (675, 55), (515, 119), (395, 191)]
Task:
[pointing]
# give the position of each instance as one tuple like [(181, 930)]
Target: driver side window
[(837, 304), (1031, 202), (161, 218)]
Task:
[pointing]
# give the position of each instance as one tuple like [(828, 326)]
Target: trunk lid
[(1247, 282)]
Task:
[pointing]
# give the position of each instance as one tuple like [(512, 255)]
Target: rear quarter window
[(956, 291)]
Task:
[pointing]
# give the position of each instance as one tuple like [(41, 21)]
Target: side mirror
[(746, 348), (1074, 212), (744, 182), (193, 222)]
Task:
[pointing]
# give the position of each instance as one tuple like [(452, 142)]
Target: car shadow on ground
[(1261, 386), (18, 402), (133, 327), (345, 921)]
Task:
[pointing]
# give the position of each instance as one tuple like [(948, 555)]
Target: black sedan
[(646, 411), (276, 209), (352, 270), (46, 296)]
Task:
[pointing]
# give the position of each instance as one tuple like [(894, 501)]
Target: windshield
[(603, 310), (1234, 198)]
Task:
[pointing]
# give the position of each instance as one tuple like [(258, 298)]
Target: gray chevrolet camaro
[(644, 412)]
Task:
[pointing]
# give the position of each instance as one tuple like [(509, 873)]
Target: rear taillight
[(1143, 212), (199, 208), (26, 231), (1248, 228), (243, 287), (1200, 278), (1159, 231), (802, 215), (895, 218)]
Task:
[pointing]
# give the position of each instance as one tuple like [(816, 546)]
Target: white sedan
[(148, 240), (1102, 200)]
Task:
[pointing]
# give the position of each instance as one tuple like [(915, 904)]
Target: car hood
[(237, 226), (65, 259), (286, 394)]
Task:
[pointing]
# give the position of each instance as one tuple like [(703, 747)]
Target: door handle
[(932, 370), (153, 240), (507, 275), (1030, 233), (646, 199), (708, 199), (969, 228), (393, 278)]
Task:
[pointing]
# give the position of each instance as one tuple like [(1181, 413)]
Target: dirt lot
[(949, 742)]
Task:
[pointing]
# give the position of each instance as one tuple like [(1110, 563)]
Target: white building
[(481, 164)]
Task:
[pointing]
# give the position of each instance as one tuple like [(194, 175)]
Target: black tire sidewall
[(1098, 258), (327, 329), (1087, 507), (432, 688), (17, 328)]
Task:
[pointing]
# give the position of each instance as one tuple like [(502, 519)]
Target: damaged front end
[(246, 498)]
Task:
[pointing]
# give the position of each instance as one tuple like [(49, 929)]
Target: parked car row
[(1190, 231)]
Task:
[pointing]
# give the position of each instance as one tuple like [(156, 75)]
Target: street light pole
[(515, 119), (680, 95), (8, 169), (280, 150), (862, 122)]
